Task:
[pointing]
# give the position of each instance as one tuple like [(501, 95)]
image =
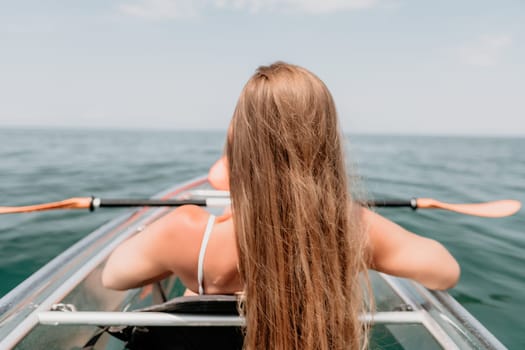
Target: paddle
[(495, 209), (93, 203)]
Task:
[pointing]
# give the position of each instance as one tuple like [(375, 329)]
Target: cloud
[(486, 51), (176, 9)]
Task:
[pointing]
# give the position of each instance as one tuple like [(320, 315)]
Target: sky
[(393, 66)]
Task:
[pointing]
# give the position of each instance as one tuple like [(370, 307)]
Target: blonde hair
[(300, 240)]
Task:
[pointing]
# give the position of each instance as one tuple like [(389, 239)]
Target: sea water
[(48, 165)]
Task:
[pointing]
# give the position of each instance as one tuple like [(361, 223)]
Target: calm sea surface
[(48, 165)]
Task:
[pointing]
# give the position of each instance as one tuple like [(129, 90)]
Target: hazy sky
[(433, 67)]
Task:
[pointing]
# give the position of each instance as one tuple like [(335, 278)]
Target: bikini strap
[(204, 244)]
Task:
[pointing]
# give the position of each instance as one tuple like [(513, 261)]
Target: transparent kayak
[(64, 305)]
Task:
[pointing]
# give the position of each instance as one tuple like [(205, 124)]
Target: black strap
[(90, 344)]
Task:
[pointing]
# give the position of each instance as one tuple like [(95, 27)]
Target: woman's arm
[(399, 252), (169, 245)]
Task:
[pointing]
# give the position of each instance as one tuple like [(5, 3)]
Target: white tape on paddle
[(217, 202), (210, 193), (95, 203)]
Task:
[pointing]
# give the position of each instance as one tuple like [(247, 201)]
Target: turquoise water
[(48, 165)]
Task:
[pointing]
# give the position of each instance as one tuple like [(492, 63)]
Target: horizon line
[(223, 130)]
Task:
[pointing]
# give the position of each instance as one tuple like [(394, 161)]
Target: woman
[(296, 243)]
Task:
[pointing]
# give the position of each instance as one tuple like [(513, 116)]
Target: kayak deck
[(64, 304)]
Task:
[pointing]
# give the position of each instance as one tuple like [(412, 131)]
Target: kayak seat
[(185, 337), (208, 304)]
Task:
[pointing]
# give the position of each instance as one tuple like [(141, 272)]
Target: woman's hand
[(218, 175)]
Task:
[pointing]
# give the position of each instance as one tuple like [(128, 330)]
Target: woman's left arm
[(137, 261), (162, 248)]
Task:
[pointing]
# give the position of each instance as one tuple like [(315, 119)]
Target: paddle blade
[(71, 203), (495, 209)]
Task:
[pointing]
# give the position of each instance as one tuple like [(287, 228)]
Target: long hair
[(300, 241)]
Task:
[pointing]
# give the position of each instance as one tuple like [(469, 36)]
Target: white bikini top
[(204, 244)]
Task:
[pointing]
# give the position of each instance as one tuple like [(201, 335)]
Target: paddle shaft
[(493, 209), (121, 203), (393, 203)]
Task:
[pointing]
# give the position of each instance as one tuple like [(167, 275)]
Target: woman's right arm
[(398, 252)]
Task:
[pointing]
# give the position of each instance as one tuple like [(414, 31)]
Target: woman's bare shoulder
[(182, 221)]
